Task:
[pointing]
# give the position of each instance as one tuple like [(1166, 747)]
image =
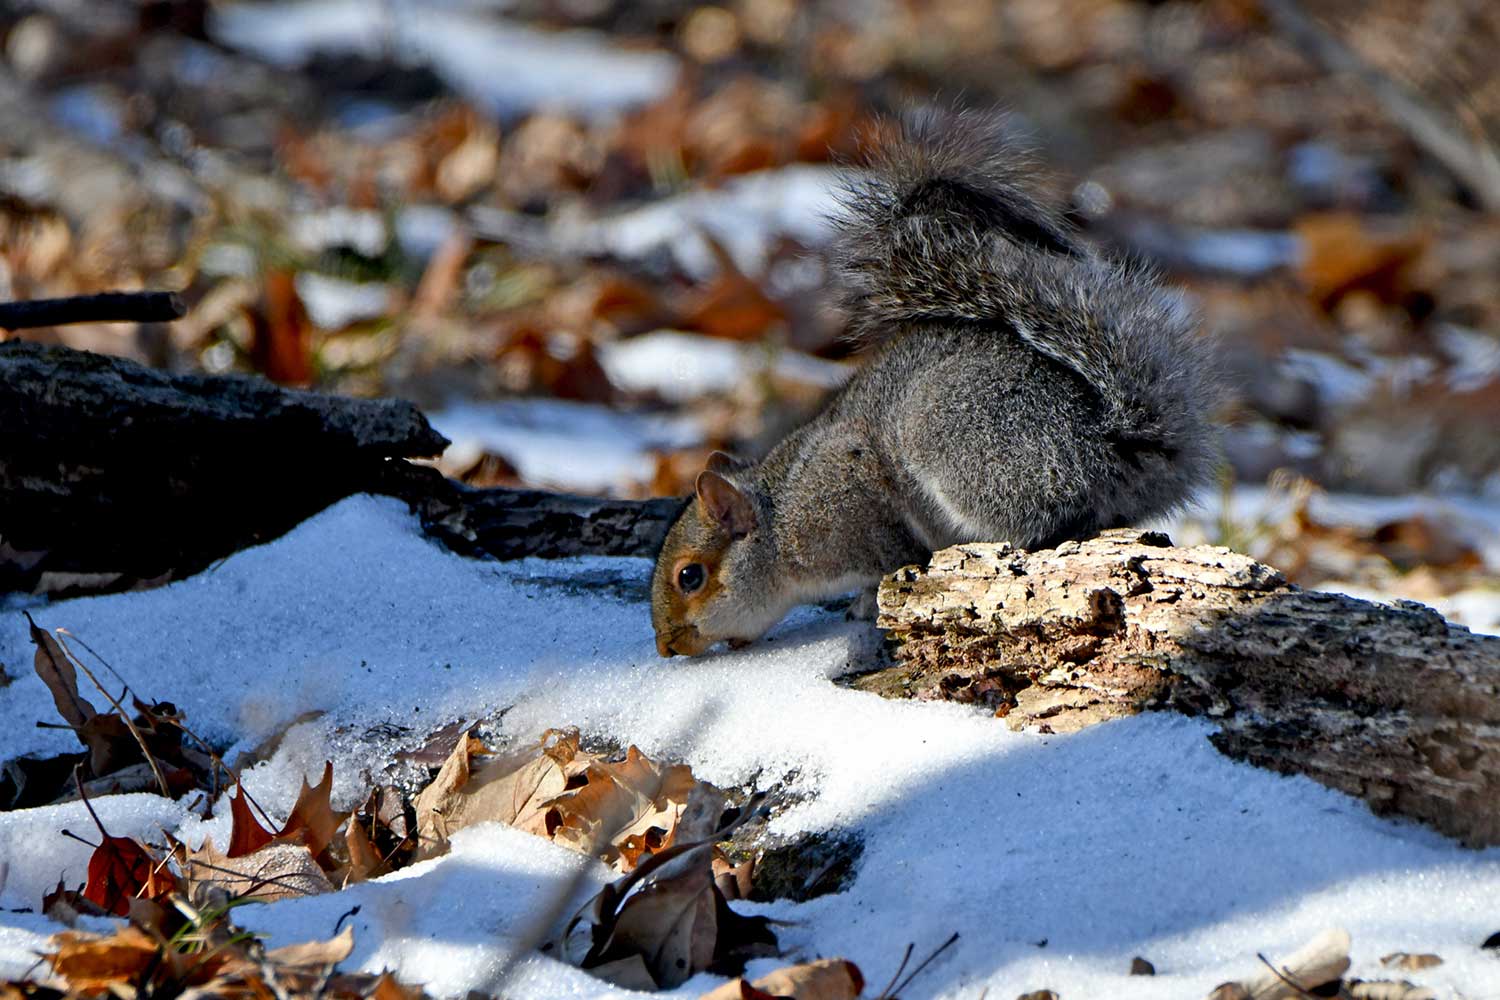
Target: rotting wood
[(1390, 703)]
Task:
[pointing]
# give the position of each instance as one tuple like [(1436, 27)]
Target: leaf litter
[(666, 918)]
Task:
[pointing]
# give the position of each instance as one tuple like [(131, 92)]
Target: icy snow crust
[(1132, 838)]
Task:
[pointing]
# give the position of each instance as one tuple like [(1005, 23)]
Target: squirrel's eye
[(691, 577)]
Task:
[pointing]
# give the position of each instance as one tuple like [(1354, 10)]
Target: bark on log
[(513, 524), (113, 474), (1390, 703)]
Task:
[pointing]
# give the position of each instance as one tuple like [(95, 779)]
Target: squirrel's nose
[(663, 647)]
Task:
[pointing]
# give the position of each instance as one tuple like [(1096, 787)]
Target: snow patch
[(573, 446), (504, 67), (682, 366), (1134, 837)]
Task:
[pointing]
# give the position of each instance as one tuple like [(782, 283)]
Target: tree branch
[(107, 307)]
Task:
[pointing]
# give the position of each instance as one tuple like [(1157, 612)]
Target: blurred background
[(578, 232)]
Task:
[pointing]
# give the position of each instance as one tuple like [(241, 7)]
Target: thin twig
[(1285, 977), (886, 991), (124, 717), (105, 663), (924, 964), (107, 307)]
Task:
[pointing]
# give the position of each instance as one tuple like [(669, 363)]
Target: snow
[(333, 303), (1131, 838), (746, 216), (574, 446), (504, 67), (682, 366)]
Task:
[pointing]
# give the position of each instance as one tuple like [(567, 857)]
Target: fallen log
[(1390, 703), (114, 475)]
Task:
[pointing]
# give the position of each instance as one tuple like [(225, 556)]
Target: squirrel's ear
[(725, 503), (722, 462)]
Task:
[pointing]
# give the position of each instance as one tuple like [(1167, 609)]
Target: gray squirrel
[(1019, 386)]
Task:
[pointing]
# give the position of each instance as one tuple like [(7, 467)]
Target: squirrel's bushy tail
[(942, 227)]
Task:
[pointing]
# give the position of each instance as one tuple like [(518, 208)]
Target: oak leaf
[(246, 835), (731, 305), (510, 788), (633, 808), (120, 869), (313, 821)]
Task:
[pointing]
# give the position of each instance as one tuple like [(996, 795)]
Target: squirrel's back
[(942, 229)]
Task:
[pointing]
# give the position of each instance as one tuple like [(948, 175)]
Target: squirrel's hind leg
[(1002, 447)]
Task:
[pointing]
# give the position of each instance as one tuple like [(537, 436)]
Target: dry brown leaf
[(120, 869), (90, 963), (513, 788), (313, 821), (633, 808), (108, 739), (315, 954), (670, 921), (1410, 962), (731, 305), (628, 973), (733, 881), (246, 835), (213, 959), (1386, 990), (567, 367), (282, 333), (618, 812), (1340, 253), (364, 861), (443, 276), (56, 671), (276, 871), (66, 905), (438, 747), (382, 836), (470, 166), (388, 987), (826, 979)]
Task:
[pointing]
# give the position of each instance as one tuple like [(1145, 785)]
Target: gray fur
[(1020, 387)]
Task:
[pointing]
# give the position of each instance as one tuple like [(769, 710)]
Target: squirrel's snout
[(683, 640)]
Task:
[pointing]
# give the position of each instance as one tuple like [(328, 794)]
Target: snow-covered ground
[(1132, 838), (504, 67), (563, 444)]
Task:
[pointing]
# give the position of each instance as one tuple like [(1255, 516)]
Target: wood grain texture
[(1390, 703)]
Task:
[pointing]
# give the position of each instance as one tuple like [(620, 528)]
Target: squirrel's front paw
[(863, 607)]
